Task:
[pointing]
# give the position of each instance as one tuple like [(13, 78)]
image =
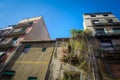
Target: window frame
[(44, 49), (32, 78), (93, 15), (105, 15), (27, 48)]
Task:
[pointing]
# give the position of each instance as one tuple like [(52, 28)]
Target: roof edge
[(36, 41), (97, 13)]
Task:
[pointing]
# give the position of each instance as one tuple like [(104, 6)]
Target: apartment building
[(27, 30), (27, 53), (105, 29), (31, 61)]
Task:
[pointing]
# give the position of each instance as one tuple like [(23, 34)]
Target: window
[(110, 20), (93, 15), (43, 49), (116, 30), (100, 31), (15, 39), (32, 78), (27, 48), (23, 29), (105, 14), (8, 74), (4, 40), (107, 45), (96, 21), (17, 30), (108, 30)]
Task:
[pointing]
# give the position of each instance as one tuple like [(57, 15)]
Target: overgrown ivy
[(80, 46)]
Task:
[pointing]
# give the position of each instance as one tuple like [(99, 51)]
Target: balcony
[(97, 24), (20, 25), (100, 33), (114, 34), (6, 44), (116, 31), (106, 53), (15, 32), (110, 50)]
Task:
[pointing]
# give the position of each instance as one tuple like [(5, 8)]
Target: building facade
[(27, 53), (105, 29), (31, 61), (27, 30)]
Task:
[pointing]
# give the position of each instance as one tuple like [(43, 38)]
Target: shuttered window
[(44, 49), (8, 73), (27, 48), (32, 78)]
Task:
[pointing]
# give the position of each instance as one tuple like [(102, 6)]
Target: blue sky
[(60, 15)]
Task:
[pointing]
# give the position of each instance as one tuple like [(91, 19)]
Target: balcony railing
[(102, 33), (6, 44), (107, 48), (16, 32), (116, 31), (106, 24), (20, 25)]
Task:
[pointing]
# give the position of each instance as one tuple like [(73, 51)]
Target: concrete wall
[(38, 32)]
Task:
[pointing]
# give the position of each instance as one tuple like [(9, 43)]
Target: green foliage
[(71, 75), (80, 44), (65, 59), (78, 32), (83, 67), (75, 45), (75, 32)]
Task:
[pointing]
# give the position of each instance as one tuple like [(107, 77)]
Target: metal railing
[(115, 32), (106, 23), (5, 44), (14, 33), (26, 24)]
